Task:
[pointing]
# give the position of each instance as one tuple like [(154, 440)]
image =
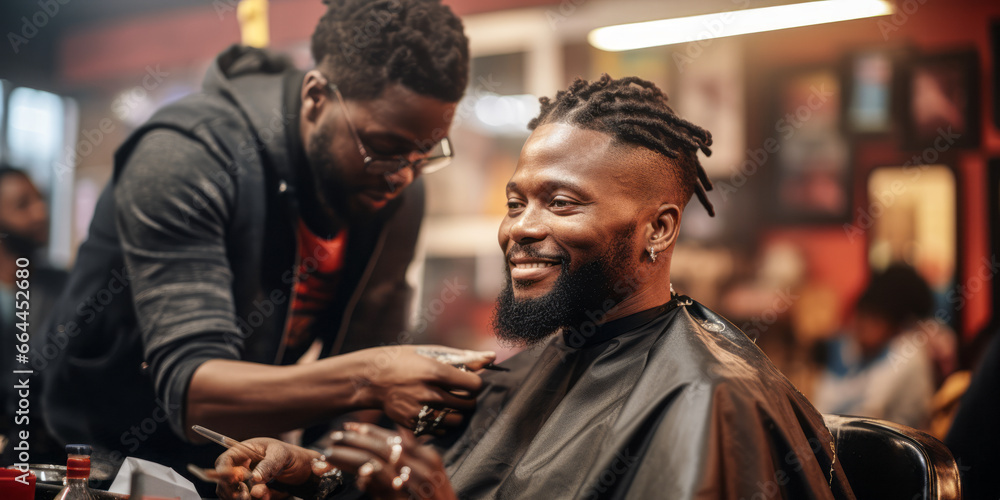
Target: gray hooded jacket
[(192, 256)]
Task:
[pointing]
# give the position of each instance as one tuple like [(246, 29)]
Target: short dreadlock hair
[(635, 111), (365, 45)]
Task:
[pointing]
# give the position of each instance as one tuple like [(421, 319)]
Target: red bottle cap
[(78, 467)]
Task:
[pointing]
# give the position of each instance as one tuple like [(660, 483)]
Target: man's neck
[(321, 220), (651, 291)]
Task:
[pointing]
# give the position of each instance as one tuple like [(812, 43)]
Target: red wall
[(931, 27), (187, 37)]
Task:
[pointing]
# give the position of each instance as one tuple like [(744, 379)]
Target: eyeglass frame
[(448, 153)]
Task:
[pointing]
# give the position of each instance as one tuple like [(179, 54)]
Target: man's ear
[(315, 94), (662, 232)]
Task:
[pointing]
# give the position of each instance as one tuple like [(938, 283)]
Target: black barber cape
[(674, 402)]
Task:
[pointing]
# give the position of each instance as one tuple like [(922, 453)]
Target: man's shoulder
[(712, 366), (713, 354), (202, 107), (166, 158), (197, 136), (204, 117), (705, 383)]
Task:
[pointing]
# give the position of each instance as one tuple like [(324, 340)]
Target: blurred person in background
[(24, 229), (634, 391), (882, 367), (254, 220)]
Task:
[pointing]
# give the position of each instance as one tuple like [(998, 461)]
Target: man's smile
[(532, 268)]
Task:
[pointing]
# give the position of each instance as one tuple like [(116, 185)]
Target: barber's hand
[(284, 462), (389, 465), (402, 380)]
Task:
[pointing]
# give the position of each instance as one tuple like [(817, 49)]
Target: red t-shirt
[(320, 264)]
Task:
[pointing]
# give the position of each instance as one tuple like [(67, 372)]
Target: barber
[(273, 212)]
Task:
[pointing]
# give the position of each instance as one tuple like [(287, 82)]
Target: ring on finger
[(365, 473), (395, 450), (423, 422), (440, 418), (399, 481), (368, 468)]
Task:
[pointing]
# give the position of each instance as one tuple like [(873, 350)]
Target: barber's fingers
[(231, 485), (407, 415), (233, 467), (452, 419), (452, 356), (272, 466), (232, 474), (372, 472), (262, 492), (380, 446), (451, 379), (232, 458), (375, 446), (476, 360), (409, 442), (243, 492), (443, 399), (381, 443)]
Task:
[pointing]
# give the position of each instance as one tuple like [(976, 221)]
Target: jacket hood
[(254, 80), (238, 61)]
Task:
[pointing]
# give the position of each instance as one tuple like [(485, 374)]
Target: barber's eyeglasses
[(435, 159)]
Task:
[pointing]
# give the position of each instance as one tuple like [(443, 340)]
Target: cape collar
[(590, 335)]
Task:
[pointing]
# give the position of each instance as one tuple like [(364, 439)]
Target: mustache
[(519, 250)]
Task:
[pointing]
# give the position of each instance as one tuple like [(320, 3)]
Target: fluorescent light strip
[(737, 22)]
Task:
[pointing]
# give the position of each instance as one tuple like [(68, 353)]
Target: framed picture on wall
[(709, 91), (941, 94), (872, 90), (811, 180), (921, 228)]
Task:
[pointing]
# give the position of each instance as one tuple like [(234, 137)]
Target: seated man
[(883, 365), (635, 391)]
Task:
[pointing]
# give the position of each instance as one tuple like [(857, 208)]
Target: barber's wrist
[(363, 397), (348, 372)]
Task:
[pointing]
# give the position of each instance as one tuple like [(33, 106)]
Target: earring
[(652, 254)]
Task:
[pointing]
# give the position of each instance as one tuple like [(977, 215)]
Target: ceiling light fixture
[(738, 22)]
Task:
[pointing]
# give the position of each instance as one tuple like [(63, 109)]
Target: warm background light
[(738, 22)]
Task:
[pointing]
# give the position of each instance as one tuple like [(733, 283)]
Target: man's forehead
[(399, 111), (562, 139), (565, 153)]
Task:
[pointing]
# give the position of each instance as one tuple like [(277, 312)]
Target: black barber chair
[(887, 461)]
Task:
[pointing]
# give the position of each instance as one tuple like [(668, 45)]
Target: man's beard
[(527, 322), (328, 182), (19, 245)]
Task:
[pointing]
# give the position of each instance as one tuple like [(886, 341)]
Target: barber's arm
[(173, 214), (247, 399)]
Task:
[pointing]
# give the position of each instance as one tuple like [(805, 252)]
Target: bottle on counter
[(77, 474)]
